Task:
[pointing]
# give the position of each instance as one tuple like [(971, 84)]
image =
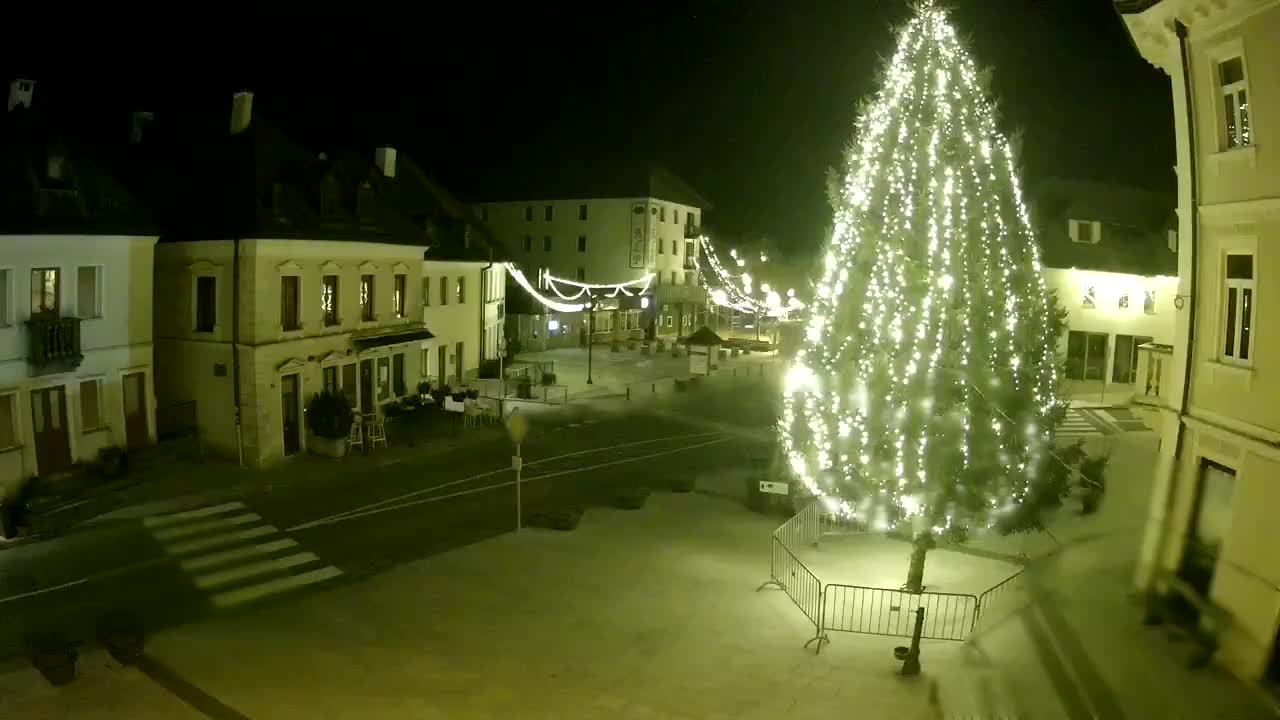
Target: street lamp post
[(591, 330)]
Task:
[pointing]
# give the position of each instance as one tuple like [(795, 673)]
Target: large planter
[(328, 447)]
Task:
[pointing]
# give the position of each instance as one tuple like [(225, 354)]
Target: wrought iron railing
[(54, 343)]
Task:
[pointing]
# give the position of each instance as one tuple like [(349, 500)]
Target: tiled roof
[(593, 178)]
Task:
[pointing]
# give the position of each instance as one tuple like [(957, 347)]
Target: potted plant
[(54, 656), (424, 390), (113, 461), (440, 393), (329, 419), (473, 394)]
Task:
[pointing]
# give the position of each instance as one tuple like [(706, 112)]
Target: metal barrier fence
[(803, 528), (990, 601), (800, 584), (880, 611)]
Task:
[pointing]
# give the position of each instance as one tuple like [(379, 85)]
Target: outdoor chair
[(377, 432), (355, 438)]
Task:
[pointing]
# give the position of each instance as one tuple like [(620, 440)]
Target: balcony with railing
[(691, 232), (1153, 384), (53, 344)]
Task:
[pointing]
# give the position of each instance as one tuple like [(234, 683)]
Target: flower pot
[(901, 652), (328, 447)]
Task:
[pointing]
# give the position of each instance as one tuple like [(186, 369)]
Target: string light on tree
[(925, 397)]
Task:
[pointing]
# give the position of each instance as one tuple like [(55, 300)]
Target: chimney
[(241, 111), (20, 91), (385, 157), (140, 122)]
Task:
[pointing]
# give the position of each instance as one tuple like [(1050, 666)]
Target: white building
[(1211, 531), (317, 282), (1109, 255), (611, 228), (75, 303)]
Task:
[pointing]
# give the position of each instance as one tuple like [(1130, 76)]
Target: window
[(675, 215), (1173, 241), (1235, 103), (444, 289), (397, 374), (460, 293), (546, 243), (6, 301), (8, 421), (329, 299), (45, 287), (661, 248), (1124, 301), (528, 243), (89, 291), (582, 243), (90, 406), (366, 298), (484, 214), (662, 214), (582, 212), (1238, 319), (206, 303), (329, 379), (349, 386), (1090, 296), (582, 274), (397, 298), (1149, 302), (384, 378), (1086, 355), (670, 320), (546, 213), (1085, 231), (528, 213), (674, 281), (426, 292), (675, 247), (424, 363), (289, 316)]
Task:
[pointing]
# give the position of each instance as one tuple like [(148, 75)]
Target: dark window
[(289, 316), (528, 243), (675, 215), (484, 214), (45, 290), (366, 298), (349, 386), (582, 212), (206, 303), (397, 374), (546, 213), (444, 289), (662, 249), (426, 292), (397, 299), (329, 299), (662, 214), (582, 243), (329, 377), (675, 248), (528, 213), (582, 274), (1239, 267), (546, 243)]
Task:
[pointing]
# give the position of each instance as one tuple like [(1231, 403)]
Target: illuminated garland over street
[(734, 291), (523, 282), (630, 288), (926, 395)]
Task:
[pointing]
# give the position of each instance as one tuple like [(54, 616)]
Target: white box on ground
[(774, 488)]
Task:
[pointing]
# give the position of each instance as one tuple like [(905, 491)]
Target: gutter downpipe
[(1162, 538)]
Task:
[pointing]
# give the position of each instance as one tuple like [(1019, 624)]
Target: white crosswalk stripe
[(232, 554), (1075, 427)]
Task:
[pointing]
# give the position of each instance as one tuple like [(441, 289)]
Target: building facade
[(1110, 257), (75, 303), (1211, 523), (642, 228)]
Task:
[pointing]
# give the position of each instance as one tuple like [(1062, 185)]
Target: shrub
[(424, 388), (329, 415)]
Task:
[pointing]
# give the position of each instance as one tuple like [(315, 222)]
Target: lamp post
[(591, 330)]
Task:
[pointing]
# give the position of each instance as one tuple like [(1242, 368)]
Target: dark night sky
[(748, 100)]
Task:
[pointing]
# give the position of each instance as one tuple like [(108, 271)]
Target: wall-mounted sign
[(639, 237)]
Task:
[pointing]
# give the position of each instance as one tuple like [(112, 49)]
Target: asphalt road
[(171, 570)]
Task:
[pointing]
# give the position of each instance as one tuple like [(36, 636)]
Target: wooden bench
[(1211, 622)]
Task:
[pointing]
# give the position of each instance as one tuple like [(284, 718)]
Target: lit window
[(366, 298), (397, 297), (1235, 103), (461, 290), (329, 299)]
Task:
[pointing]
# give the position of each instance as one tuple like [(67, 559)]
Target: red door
[(49, 429), (135, 410)]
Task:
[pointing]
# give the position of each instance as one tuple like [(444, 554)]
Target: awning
[(391, 336)]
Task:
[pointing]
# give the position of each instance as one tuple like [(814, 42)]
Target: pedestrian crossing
[(1080, 424), (233, 556)]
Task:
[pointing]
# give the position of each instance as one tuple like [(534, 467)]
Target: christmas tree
[(925, 397)]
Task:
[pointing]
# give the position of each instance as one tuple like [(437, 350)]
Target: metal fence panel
[(998, 601), (802, 586), (804, 528), (880, 611)]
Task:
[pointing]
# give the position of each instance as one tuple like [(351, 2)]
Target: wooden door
[(49, 430), (366, 386), (289, 413), (135, 410)]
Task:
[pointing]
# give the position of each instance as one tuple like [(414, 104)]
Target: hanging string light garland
[(630, 288), (523, 282)]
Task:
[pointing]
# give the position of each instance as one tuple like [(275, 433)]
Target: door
[(457, 363), (49, 429), (135, 410), (366, 386), (1086, 355), (1125, 367), (442, 364), (289, 414)]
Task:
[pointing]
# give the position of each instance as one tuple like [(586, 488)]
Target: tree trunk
[(915, 573)]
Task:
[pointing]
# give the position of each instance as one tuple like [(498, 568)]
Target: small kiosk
[(704, 348)]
